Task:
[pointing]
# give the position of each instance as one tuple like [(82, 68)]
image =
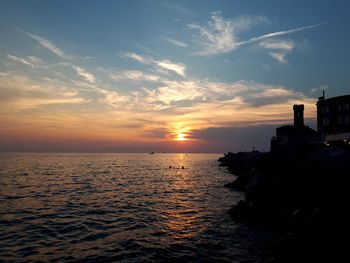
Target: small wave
[(115, 207)]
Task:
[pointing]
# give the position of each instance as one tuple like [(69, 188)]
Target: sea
[(121, 207)]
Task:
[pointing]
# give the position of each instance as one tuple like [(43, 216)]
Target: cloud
[(160, 65), (176, 42), (277, 44), (113, 98), (139, 58), (36, 61), (279, 56), (19, 92), (173, 94), (198, 104), (279, 48), (192, 105), (188, 93), (19, 60), (171, 107), (279, 33), (89, 57), (237, 138), (48, 45), (220, 35), (319, 89), (84, 74), (184, 106), (170, 66), (135, 75), (31, 61), (109, 97), (178, 8)]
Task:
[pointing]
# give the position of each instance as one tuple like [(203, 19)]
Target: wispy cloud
[(20, 92), (278, 48), (19, 60), (279, 33), (135, 75), (109, 97), (89, 57), (164, 64), (277, 44), (178, 68), (178, 8), (176, 42), (31, 61), (191, 92), (36, 61), (48, 45), (139, 58), (220, 35), (84, 74), (280, 57), (319, 89)]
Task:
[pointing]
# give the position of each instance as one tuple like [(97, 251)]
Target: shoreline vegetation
[(302, 197)]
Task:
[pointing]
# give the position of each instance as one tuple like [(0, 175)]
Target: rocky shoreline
[(302, 197)]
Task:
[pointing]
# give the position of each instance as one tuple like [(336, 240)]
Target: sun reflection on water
[(180, 215)]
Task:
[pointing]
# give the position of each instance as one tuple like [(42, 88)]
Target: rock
[(304, 197), (292, 247), (241, 181), (239, 163), (241, 211)]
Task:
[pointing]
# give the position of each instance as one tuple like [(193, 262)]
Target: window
[(325, 121), (343, 106), (344, 119), (325, 109)]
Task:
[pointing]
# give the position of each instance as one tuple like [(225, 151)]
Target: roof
[(296, 129), (344, 98)]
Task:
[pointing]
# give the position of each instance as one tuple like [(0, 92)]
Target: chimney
[(298, 115), (323, 97)]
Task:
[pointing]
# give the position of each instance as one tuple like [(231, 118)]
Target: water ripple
[(120, 207)]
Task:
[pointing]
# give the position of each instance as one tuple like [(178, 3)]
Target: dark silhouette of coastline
[(300, 189)]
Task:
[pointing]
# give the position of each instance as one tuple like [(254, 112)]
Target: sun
[(180, 137)]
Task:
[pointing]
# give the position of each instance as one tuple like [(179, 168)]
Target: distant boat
[(151, 153)]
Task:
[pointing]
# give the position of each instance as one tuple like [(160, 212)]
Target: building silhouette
[(333, 118), (298, 115), (333, 127), (297, 137)]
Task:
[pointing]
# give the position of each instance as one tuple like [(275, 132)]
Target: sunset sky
[(165, 76)]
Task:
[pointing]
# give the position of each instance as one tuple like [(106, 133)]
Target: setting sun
[(181, 137)]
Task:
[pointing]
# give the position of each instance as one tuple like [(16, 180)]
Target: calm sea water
[(120, 207)]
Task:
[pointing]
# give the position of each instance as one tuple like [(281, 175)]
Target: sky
[(165, 76)]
